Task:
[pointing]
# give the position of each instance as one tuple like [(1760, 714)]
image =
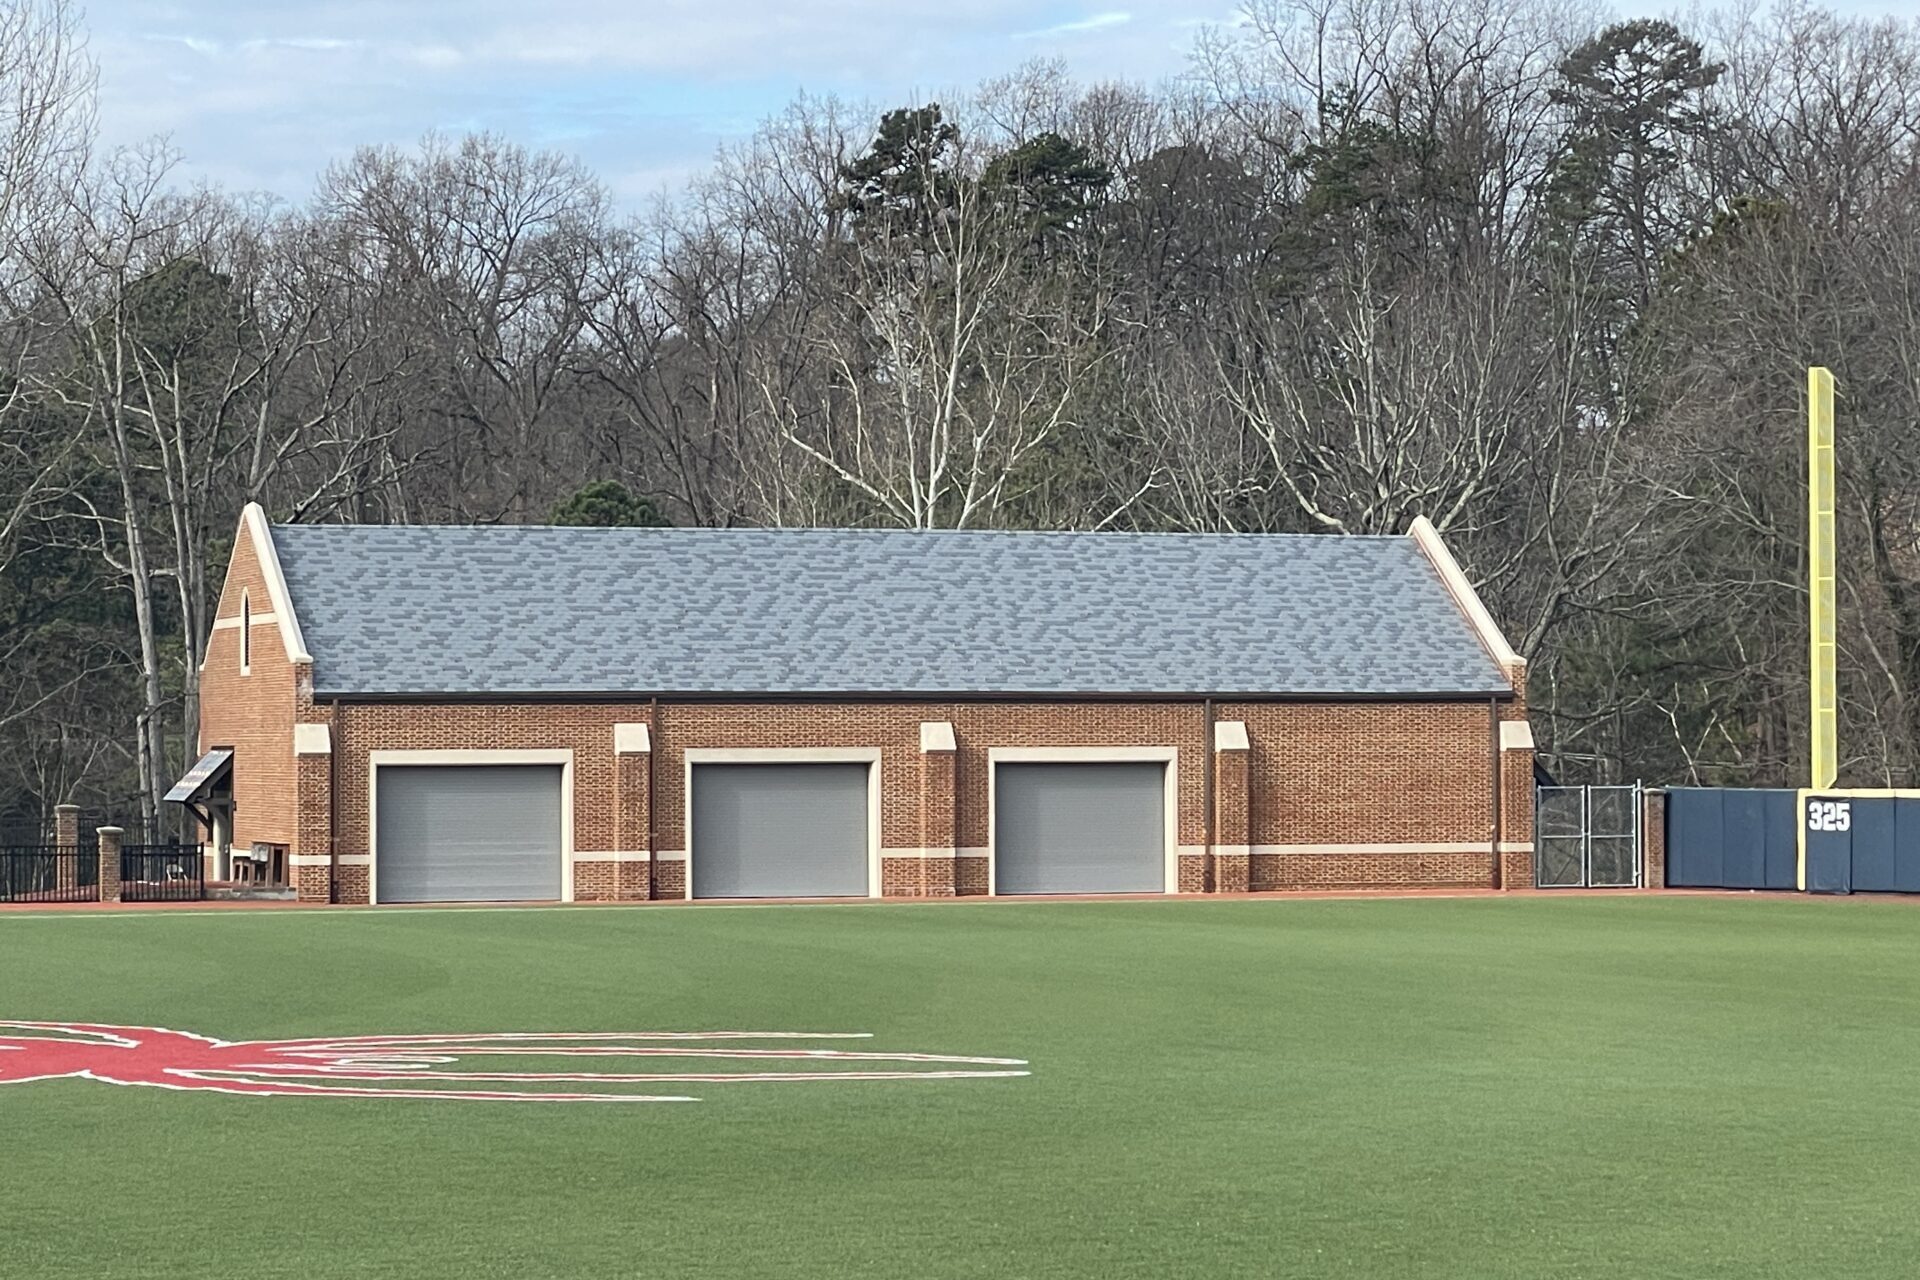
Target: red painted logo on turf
[(417, 1066)]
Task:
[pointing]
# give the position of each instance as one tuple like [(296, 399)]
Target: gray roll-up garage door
[(779, 830), (1080, 828), (468, 833)]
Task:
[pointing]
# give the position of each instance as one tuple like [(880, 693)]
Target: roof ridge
[(799, 530)]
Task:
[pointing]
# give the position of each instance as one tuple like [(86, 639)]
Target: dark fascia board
[(868, 695)]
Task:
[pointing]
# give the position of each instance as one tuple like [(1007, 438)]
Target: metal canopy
[(198, 782)]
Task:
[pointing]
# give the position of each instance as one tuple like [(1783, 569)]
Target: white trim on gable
[(254, 519), (1427, 538)]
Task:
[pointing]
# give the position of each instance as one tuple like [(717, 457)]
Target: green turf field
[(1522, 1087)]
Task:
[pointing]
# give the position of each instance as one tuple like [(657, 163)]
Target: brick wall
[(1326, 795), (1653, 839), (252, 713)]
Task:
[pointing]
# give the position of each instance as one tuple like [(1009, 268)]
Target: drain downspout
[(333, 810)]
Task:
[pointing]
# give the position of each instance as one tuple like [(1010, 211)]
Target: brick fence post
[(110, 838), (1653, 839), (66, 836)]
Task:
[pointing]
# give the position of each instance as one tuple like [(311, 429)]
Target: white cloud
[(1096, 22), (308, 44), (437, 56)]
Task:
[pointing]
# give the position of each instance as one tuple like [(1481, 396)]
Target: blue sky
[(260, 96)]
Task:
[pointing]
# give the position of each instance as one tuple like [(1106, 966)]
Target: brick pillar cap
[(110, 831), (1230, 735), (66, 808)]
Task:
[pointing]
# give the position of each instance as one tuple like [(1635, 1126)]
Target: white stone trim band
[(1386, 850), (323, 859), (637, 855)]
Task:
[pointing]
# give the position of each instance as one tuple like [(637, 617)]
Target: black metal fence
[(49, 873), (162, 873)]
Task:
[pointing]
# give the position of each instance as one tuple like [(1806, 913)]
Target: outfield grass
[(1487, 1087)]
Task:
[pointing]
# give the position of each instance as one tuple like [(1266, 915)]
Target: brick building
[(458, 713)]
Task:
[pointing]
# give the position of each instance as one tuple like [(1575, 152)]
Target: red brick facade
[(251, 712), (1312, 795)]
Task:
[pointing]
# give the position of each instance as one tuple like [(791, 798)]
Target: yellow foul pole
[(1820, 559)]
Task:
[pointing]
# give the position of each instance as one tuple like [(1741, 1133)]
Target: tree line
[(1550, 281)]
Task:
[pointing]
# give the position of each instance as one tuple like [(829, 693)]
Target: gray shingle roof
[(491, 610)]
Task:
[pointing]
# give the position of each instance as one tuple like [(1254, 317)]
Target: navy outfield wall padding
[(1733, 838), (1862, 843), (1829, 844), (1783, 839), (1744, 855), (1906, 839), (1870, 842), (1695, 838)]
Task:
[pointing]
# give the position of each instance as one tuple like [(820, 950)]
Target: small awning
[(195, 784)]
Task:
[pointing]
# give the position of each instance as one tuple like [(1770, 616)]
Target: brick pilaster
[(1232, 800), (313, 833), (1516, 796), (633, 879), (110, 838), (939, 814)]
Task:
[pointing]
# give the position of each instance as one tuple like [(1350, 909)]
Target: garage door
[(468, 833), (779, 830), (1080, 828)]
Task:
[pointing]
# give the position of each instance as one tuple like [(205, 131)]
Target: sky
[(259, 95)]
